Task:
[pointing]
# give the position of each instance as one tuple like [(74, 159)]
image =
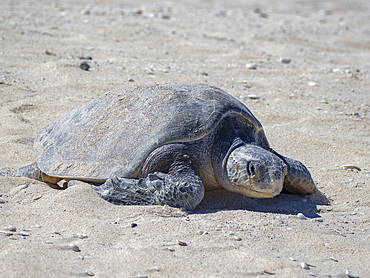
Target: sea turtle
[(164, 144)]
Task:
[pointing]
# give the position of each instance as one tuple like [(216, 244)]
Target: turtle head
[(254, 172)]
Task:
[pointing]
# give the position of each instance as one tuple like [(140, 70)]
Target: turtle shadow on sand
[(218, 200), (221, 200)]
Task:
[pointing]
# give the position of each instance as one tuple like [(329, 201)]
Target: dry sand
[(314, 109)]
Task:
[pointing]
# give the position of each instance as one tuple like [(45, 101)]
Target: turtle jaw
[(258, 189), (254, 172)]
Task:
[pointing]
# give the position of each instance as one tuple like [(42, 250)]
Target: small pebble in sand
[(301, 216), (116, 221), (254, 96), (171, 249), (23, 233), (339, 232), (182, 243), (2, 200), (85, 58), (84, 66), (351, 274), (89, 273), (82, 236), (157, 268), (75, 248), (133, 225), (237, 238), (285, 60), (333, 259), (47, 52), (351, 167), (304, 266), (24, 186), (251, 66), (12, 228)]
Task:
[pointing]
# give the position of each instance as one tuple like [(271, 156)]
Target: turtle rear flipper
[(298, 179), (31, 171), (181, 187)]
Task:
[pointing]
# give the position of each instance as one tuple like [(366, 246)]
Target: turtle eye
[(251, 170)]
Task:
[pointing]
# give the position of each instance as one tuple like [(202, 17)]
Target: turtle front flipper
[(31, 171), (180, 187), (298, 179)]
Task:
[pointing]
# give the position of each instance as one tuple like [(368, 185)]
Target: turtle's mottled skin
[(164, 144)]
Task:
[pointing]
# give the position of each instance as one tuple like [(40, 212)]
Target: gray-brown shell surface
[(114, 133)]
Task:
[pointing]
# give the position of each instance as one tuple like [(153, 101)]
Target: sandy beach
[(301, 67)]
